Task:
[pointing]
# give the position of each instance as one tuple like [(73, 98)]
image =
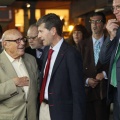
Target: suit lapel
[(7, 66), (91, 51), (116, 45), (59, 57), (30, 73), (100, 50), (28, 66)]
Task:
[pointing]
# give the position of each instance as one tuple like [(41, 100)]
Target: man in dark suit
[(111, 52), (64, 94), (35, 45), (94, 72)]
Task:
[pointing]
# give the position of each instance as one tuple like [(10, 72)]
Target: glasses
[(18, 40), (115, 8), (31, 38), (95, 21)]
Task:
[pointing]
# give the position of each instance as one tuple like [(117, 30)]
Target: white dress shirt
[(56, 49)]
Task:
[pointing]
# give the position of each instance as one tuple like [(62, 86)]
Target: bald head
[(10, 34), (32, 31), (13, 43), (32, 35)]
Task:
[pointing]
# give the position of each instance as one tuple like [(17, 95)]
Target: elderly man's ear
[(4, 43)]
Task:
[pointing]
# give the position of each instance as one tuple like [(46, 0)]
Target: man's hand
[(21, 81), (112, 27), (92, 82), (99, 76)]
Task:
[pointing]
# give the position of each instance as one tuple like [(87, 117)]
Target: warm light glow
[(19, 19), (70, 28), (18, 25), (37, 14), (63, 13), (27, 5)]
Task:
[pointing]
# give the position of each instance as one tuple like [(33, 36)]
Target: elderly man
[(18, 79), (35, 44)]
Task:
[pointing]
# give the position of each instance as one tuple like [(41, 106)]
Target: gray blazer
[(13, 105)]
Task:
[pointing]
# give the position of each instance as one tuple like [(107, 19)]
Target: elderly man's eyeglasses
[(95, 21), (115, 8), (31, 38), (18, 40)]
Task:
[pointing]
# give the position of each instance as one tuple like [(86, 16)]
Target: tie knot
[(97, 42), (50, 53)]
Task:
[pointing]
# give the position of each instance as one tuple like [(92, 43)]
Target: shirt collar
[(10, 58), (57, 46), (100, 40)]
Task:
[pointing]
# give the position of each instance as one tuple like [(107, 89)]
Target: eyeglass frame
[(117, 7), (95, 21), (29, 38), (18, 40)]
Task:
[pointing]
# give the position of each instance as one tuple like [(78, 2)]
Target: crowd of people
[(45, 77)]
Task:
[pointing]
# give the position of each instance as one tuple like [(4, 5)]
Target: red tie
[(42, 90)]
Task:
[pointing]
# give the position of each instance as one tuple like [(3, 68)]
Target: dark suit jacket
[(66, 88), (90, 71), (33, 52), (107, 54)]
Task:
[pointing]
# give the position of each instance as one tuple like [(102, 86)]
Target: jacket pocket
[(6, 117)]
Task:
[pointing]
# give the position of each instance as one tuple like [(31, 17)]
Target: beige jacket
[(13, 105)]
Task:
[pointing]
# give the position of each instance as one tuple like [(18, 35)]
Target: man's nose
[(39, 35), (22, 42)]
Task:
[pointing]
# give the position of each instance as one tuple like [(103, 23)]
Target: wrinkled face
[(14, 49), (116, 9), (77, 36), (45, 35), (97, 25), (32, 37)]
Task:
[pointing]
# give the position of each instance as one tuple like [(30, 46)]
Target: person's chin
[(21, 51), (32, 47), (45, 44)]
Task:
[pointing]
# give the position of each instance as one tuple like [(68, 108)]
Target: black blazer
[(66, 88), (33, 52), (107, 54)]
